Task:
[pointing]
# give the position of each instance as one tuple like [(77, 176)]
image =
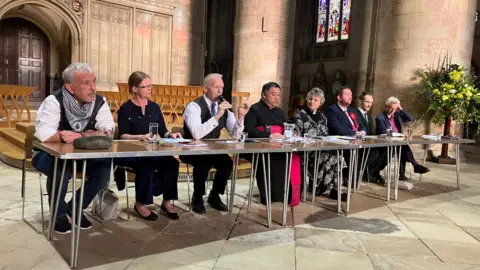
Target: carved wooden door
[(8, 54), (25, 56)]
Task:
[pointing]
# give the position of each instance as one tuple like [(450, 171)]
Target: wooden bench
[(172, 99), (15, 93)]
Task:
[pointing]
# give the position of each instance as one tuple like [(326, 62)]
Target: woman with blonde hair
[(153, 175)]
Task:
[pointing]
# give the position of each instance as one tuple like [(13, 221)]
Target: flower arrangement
[(450, 92)]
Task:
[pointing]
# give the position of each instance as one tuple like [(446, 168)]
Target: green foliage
[(449, 91)]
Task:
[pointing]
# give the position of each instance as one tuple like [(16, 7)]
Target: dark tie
[(213, 109), (366, 117)]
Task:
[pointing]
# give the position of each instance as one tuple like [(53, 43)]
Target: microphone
[(222, 99)]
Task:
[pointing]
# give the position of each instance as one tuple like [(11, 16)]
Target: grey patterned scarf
[(77, 116)]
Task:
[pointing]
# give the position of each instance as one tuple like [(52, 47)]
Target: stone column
[(263, 46), (415, 33)]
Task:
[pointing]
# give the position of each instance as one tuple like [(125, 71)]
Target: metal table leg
[(350, 177), (79, 213), (363, 166), (305, 175), (252, 177), (54, 209), (397, 173), (266, 179), (315, 175), (388, 172), (288, 169), (457, 163), (51, 220), (424, 160), (236, 158), (74, 213), (355, 179), (339, 179)]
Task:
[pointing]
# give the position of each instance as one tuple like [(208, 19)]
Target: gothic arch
[(47, 27), (66, 14)]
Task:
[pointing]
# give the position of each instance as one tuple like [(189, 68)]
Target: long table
[(265, 147)]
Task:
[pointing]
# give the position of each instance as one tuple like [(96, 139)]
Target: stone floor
[(433, 226)]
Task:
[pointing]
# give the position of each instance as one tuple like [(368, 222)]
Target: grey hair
[(316, 92), (67, 74), (207, 79), (392, 100)]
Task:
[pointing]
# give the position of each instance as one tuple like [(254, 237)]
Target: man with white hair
[(392, 118), (204, 118), (72, 112)]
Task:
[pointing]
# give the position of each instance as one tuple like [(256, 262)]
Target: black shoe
[(63, 226), (420, 169), (334, 195), (379, 179), (198, 206), (85, 224), (216, 203), (171, 215), (119, 177), (151, 217), (402, 177)]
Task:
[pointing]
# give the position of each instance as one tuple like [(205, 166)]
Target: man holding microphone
[(204, 118)]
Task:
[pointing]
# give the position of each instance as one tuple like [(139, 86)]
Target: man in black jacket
[(376, 159)]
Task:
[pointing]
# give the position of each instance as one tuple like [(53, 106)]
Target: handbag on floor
[(105, 204)]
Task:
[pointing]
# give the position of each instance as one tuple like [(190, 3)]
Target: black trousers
[(202, 165), (407, 155), (153, 176)]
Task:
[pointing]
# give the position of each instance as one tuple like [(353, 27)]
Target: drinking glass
[(243, 137), (288, 131), (389, 131), (307, 137), (153, 133), (359, 136), (409, 133)]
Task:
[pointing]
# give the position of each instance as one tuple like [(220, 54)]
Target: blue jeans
[(98, 173)]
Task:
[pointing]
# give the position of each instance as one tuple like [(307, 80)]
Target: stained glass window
[(333, 20), (322, 20)]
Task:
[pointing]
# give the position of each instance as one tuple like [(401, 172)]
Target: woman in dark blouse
[(265, 120), (153, 175)]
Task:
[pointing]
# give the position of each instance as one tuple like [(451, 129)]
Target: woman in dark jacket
[(153, 175)]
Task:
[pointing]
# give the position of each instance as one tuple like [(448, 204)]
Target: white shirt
[(364, 113), (198, 130), (48, 118)]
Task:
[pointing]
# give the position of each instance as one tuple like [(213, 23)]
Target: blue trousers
[(98, 173), (153, 176)]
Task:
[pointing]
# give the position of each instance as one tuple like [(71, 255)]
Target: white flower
[(453, 91)]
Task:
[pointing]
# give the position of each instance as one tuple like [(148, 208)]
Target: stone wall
[(413, 34), (263, 46), (117, 37), (161, 38)]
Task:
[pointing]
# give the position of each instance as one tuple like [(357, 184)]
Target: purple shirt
[(392, 123)]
